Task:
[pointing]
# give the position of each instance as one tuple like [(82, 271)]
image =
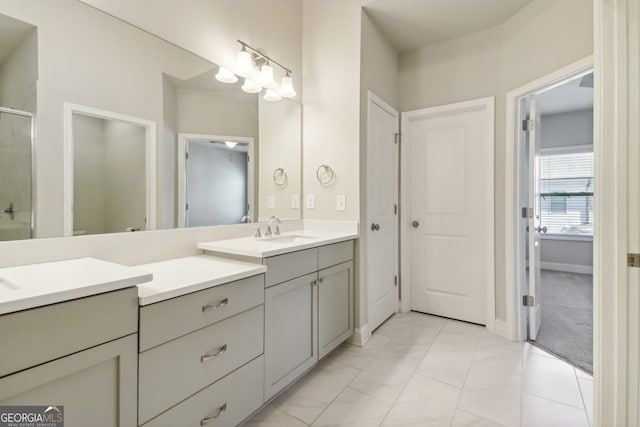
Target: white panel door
[(534, 220), (382, 218), (451, 208)]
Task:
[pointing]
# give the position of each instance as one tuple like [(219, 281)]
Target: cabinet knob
[(375, 227), (415, 224)]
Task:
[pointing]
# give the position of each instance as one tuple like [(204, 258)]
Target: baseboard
[(501, 329), (568, 268), (360, 336)]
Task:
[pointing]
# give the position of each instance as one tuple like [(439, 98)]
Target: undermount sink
[(289, 238), (7, 286)]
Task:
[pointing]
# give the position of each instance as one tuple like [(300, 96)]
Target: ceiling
[(410, 24), (12, 33), (574, 95)]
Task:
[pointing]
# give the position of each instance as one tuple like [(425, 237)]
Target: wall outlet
[(271, 202), (311, 201), (341, 202), (295, 201)]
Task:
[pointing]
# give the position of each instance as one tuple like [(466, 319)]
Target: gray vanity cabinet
[(308, 310), (80, 354)]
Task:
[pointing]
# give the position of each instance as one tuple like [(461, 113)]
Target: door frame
[(182, 170), (515, 324), (150, 159), (372, 98), (488, 105)]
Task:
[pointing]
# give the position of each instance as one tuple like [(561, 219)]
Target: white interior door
[(450, 156), (534, 219), (382, 213)]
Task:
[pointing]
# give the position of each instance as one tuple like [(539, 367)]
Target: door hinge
[(186, 206), (528, 300), (397, 138), (248, 158), (186, 156), (633, 260), (528, 125), (395, 209), (527, 212), (395, 280)]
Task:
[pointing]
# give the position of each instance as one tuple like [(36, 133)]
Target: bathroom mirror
[(75, 54)]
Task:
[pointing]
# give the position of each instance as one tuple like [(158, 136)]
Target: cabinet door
[(291, 332), (335, 306), (97, 387)]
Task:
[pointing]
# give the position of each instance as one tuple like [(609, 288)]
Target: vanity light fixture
[(272, 95), (231, 144), (286, 87), (266, 77), (226, 76), (244, 63), (250, 86)]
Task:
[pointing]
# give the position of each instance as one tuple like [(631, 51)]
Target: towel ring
[(327, 177), (280, 177)]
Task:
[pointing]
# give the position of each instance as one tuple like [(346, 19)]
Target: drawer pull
[(207, 420), (213, 355), (210, 307)]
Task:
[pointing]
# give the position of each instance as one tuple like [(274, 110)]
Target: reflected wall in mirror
[(18, 75), (76, 54), (110, 173)]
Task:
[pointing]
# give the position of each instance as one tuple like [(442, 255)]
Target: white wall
[(19, 76), (378, 73), (541, 38), (331, 81), (169, 138)]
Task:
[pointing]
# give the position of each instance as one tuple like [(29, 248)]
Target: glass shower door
[(16, 174)]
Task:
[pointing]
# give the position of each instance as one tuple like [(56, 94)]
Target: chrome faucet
[(273, 220)]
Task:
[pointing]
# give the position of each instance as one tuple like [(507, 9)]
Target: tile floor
[(421, 370)]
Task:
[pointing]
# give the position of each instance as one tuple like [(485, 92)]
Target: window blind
[(566, 193)]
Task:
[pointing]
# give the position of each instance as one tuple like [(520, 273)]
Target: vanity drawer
[(239, 393), (166, 320), (38, 335), (281, 268), (335, 254), (173, 371)]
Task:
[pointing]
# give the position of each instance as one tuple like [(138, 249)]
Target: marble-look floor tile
[(353, 408), (449, 367), (311, 395), (551, 379), (540, 412), (500, 405), (424, 401), (273, 417), (354, 356), (465, 419), (586, 388), (384, 379)]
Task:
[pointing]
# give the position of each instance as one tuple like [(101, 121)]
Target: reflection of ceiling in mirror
[(205, 81), (241, 147), (12, 33)]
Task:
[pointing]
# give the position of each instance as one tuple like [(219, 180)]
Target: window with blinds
[(566, 193)]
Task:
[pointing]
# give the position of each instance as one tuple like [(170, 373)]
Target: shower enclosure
[(16, 174)]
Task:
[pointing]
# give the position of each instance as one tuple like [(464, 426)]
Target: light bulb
[(244, 63), (226, 76), (266, 77), (231, 144), (286, 87), (272, 95), (250, 86)]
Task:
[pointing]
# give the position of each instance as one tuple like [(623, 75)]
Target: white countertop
[(277, 245), (181, 276), (35, 285)]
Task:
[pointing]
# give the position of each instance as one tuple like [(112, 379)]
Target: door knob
[(375, 227), (415, 224), (542, 229)]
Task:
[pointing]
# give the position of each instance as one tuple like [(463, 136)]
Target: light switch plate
[(271, 202), (341, 202), (311, 201), (295, 201)]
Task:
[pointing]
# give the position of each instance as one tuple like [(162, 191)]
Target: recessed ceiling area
[(12, 33), (410, 24), (573, 95)]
